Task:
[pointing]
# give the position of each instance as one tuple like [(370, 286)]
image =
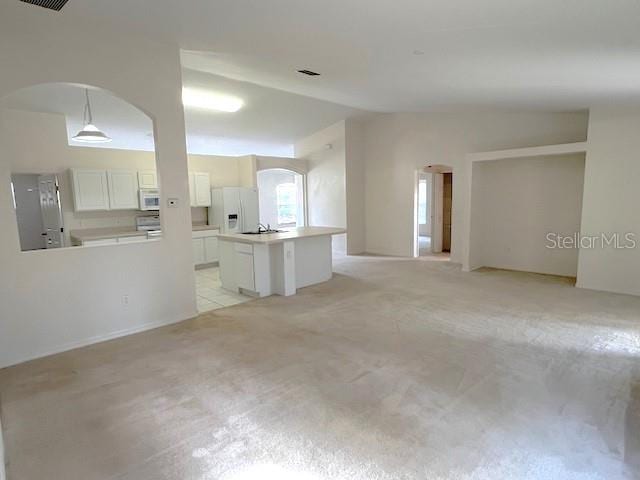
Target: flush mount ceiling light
[(207, 100), (90, 133)]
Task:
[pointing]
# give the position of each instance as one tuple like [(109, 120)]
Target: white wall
[(517, 202), (355, 184), (396, 145), (326, 194), (612, 199), (52, 301)]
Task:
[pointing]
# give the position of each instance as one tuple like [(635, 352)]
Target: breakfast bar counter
[(276, 263)]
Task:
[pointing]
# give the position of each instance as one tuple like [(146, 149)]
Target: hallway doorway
[(433, 212)]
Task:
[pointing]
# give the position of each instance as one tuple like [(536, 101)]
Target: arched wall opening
[(78, 160), (282, 198)]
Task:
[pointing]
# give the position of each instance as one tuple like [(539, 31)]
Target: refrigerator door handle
[(242, 216)]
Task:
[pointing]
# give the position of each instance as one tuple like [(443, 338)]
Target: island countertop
[(289, 234)]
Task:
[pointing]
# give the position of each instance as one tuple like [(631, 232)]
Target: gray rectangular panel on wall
[(50, 4)]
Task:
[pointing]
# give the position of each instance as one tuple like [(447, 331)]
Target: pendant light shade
[(90, 133)]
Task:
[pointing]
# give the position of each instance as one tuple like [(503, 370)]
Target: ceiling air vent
[(309, 72), (50, 4)]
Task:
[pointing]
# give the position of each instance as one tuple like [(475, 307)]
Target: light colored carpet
[(395, 369)]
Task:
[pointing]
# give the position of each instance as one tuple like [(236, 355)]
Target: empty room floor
[(395, 369)]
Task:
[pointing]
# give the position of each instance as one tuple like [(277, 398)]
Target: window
[(286, 199), (422, 202)]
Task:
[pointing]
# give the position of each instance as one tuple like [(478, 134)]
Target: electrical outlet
[(125, 300)]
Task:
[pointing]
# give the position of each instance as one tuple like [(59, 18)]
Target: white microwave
[(149, 199)]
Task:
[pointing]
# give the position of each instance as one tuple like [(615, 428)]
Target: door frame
[(436, 208), (437, 211)]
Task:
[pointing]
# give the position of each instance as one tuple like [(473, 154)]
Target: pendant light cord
[(87, 109)]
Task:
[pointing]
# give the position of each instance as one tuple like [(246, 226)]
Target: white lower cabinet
[(205, 247), (245, 273), (198, 251), (211, 249)]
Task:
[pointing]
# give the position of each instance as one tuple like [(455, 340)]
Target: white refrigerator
[(234, 209)]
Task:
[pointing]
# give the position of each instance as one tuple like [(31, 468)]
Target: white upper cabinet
[(202, 183), (147, 179), (200, 189), (90, 190), (123, 189)]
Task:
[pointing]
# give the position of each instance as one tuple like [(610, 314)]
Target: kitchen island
[(276, 263)]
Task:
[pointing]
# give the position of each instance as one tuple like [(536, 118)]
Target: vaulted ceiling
[(405, 55), (384, 56)]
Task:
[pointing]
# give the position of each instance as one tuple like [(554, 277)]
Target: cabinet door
[(202, 189), (244, 266), (123, 189), (192, 189), (211, 249), (147, 179), (198, 251), (90, 191)]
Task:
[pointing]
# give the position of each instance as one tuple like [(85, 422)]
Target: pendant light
[(90, 133)]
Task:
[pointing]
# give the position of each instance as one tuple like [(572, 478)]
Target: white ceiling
[(518, 54)]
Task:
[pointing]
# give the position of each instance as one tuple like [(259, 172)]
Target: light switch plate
[(172, 202)]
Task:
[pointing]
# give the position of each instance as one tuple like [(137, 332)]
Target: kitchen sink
[(262, 232)]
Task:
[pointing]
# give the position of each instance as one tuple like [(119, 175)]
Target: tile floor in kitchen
[(211, 295)]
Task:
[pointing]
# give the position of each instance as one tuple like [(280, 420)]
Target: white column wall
[(324, 153), (56, 300), (611, 201)]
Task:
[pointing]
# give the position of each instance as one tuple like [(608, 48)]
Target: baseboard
[(583, 286), (95, 339), (3, 471)]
